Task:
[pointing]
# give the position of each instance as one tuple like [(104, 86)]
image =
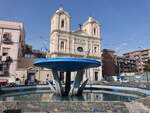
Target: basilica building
[(82, 43)]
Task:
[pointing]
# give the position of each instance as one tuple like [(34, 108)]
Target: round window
[(80, 49)]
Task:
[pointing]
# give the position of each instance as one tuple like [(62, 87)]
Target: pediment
[(81, 32)]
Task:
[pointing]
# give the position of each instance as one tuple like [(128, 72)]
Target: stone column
[(58, 86), (68, 83)]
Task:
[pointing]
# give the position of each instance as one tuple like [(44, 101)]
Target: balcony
[(6, 40), (5, 58), (2, 73)]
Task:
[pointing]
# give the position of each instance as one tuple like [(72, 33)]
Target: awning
[(3, 80)]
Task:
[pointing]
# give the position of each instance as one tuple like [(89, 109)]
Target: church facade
[(82, 43)]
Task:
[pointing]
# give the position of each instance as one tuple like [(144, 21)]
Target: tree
[(147, 68), (134, 70)]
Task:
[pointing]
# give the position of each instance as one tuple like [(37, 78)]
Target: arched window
[(94, 31), (96, 76), (62, 45), (95, 49), (62, 23)]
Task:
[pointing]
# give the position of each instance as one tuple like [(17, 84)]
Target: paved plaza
[(137, 106)]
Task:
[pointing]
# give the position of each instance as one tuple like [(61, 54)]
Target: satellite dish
[(43, 49)]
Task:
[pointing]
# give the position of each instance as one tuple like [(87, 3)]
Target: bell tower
[(60, 21), (91, 27)]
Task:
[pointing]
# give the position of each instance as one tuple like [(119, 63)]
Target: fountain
[(67, 65), (70, 97)]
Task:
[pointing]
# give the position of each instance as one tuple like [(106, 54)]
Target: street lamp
[(86, 51)]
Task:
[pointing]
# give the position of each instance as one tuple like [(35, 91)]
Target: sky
[(125, 24)]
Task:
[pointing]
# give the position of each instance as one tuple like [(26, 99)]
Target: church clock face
[(79, 49)]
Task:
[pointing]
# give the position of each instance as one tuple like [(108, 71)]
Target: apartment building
[(12, 41), (113, 65), (126, 65), (141, 57)]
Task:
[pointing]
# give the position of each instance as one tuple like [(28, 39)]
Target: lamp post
[(87, 51)]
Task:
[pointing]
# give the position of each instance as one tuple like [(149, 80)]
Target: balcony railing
[(7, 40), (2, 73), (5, 58)]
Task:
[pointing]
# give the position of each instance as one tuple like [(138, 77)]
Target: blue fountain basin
[(66, 64)]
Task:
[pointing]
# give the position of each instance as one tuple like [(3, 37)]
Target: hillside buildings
[(126, 65), (82, 43), (12, 41), (141, 57)]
